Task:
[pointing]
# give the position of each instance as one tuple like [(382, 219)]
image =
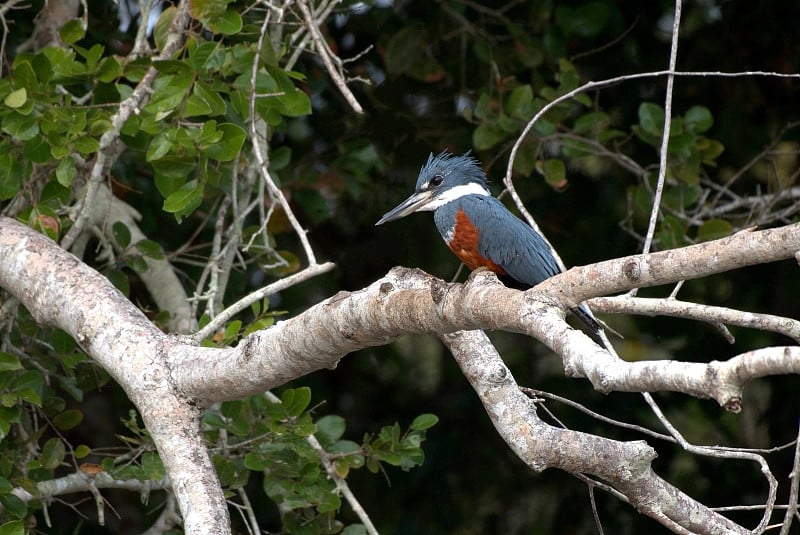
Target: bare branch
[(261, 293), (260, 153), (328, 57), (625, 465), (623, 304), (662, 166)]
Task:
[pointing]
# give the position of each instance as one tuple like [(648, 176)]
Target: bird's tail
[(586, 316), (597, 326)]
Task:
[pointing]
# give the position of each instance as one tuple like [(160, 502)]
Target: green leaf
[(109, 70), (8, 416), (232, 140), (328, 502), (709, 150), (82, 451), (11, 174), (229, 23), (591, 122), (698, 119), (185, 200), (161, 30), (37, 150), (555, 173), (232, 329), (330, 428), (15, 527), (150, 249), (203, 101), (137, 263), (22, 127), (314, 204), (65, 172), (200, 56), (714, 229), (486, 136), (296, 400), (68, 419), (28, 385), (520, 102), (119, 280), (72, 32), (86, 145), (53, 453), (651, 118), (158, 147), (121, 233), (16, 99), (9, 362), (424, 421), (405, 48), (279, 158)]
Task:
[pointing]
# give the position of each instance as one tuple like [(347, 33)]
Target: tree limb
[(625, 465)]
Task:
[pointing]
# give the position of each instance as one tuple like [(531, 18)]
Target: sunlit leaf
[(16, 99)]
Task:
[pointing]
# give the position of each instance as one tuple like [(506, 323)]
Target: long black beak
[(410, 205)]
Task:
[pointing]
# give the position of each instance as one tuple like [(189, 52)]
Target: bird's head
[(444, 178)]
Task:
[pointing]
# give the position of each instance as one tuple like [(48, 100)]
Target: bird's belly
[(463, 240)]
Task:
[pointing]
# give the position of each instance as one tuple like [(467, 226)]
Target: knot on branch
[(438, 290), (498, 374), (385, 288), (632, 270)]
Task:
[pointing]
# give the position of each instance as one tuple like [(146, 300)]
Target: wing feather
[(509, 242)]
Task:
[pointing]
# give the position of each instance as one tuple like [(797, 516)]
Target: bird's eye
[(436, 180)]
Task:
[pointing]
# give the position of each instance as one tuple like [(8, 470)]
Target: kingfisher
[(478, 228)]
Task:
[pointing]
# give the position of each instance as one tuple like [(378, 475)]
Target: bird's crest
[(463, 167)]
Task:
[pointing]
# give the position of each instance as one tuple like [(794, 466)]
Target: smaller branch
[(623, 304), (575, 405), (722, 454), (625, 465), (168, 518), (791, 510), (662, 165), (84, 482), (263, 164), (327, 58), (251, 520), (277, 286)]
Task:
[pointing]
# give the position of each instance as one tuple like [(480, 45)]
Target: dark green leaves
[(405, 54), (688, 149)]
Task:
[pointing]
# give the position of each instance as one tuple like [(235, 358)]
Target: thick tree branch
[(164, 376), (61, 291), (746, 248), (624, 465)]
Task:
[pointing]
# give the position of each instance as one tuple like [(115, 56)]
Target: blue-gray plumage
[(478, 228)]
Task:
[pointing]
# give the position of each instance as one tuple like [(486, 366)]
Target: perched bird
[(478, 228)]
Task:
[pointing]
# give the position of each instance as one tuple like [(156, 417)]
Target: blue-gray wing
[(509, 242)]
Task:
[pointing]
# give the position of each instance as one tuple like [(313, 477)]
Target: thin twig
[(246, 301), (664, 151), (326, 56), (791, 510), (725, 454), (263, 164)]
